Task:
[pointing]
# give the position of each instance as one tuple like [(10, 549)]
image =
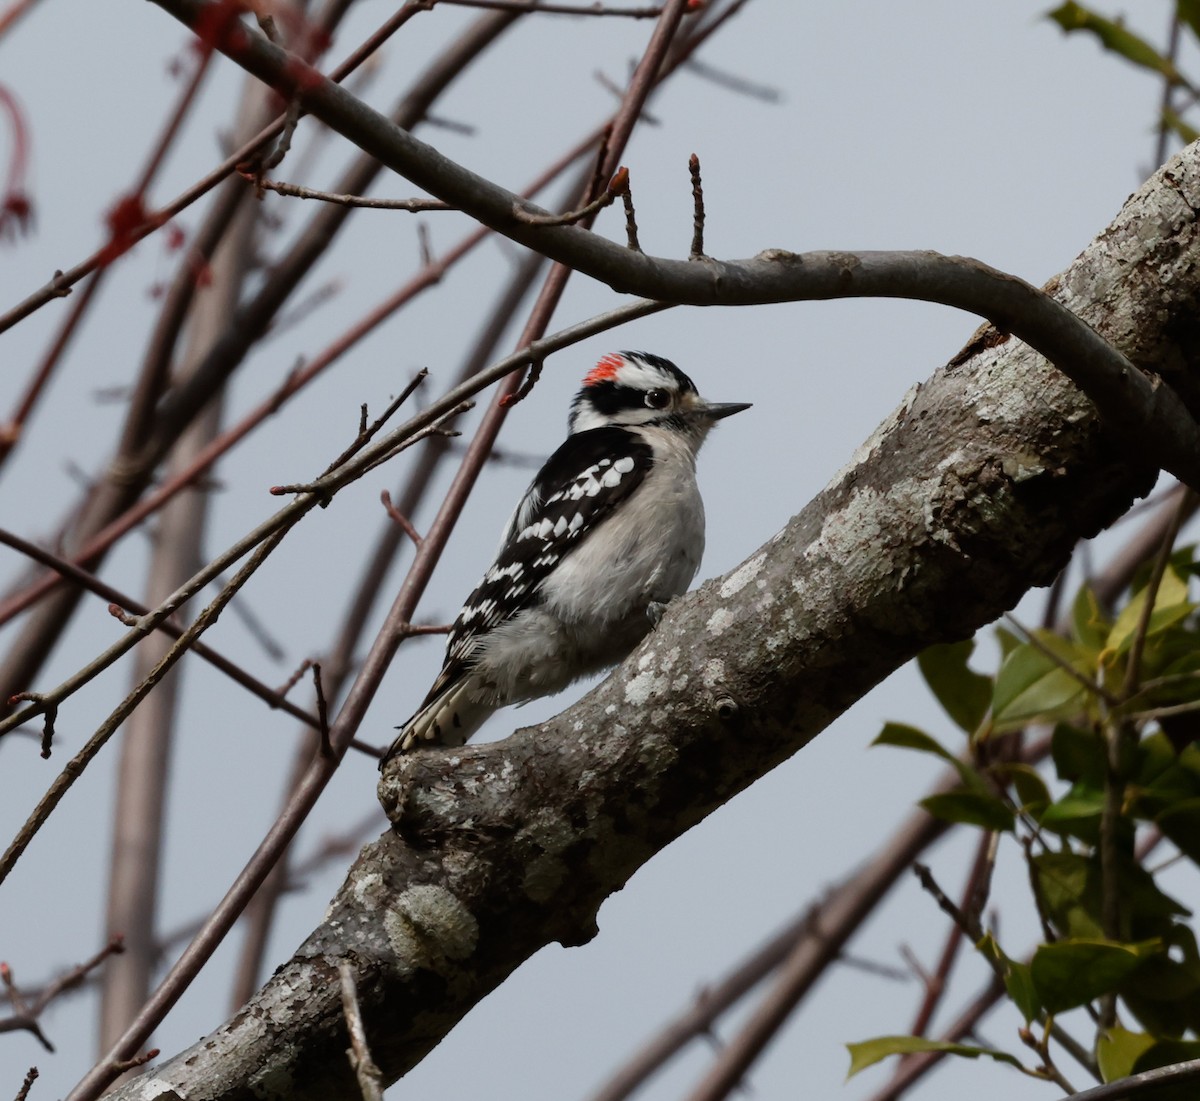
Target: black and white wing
[(580, 485)]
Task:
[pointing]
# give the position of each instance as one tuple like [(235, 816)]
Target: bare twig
[(62, 282), (631, 229), (1153, 421), (122, 604), (297, 192), (1133, 666), (27, 1011), (738, 84), (405, 525), (618, 185), (697, 250), (972, 904), (542, 8), (322, 709), (370, 1080), (31, 1076)]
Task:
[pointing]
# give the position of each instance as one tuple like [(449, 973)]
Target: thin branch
[(913, 1068), (75, 767), (972, 904), (631, 229), (697, 250), (618, 185), (1151, 420), (370, 1080), (121, 604), (31, 1076), (61, 283), (399, 518), (322, 709), (378, 659), (296, 192), (1133, 666), (766, 93), (1147, 1082), (539, 7)]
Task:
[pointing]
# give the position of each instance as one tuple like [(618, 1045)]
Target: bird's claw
[(655, 611)]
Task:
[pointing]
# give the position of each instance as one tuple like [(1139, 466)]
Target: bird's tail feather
[(449, 719)]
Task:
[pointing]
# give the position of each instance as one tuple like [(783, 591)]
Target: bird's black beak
[(717, 410)]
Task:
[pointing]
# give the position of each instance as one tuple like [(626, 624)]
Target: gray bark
[(977, 488)]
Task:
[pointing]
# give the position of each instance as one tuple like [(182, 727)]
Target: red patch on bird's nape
[(606, 369)]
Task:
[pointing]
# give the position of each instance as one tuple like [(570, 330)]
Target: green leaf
[(1078, 754), (1113, 36), (1089, 623), (1030, 789), (1007, 640), (903, 736), (1017, 979), (1036, 682), (1118, 1049), (1175, 123), (1181, 823), (1171, 606), (964, 694), (1189, 12), (869, 1052), (1069, 892), (972, 808), (1071, 973), (1077, 813)]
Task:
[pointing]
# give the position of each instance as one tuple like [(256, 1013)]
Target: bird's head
[(635, 389)]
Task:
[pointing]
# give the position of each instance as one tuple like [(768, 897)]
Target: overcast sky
[(967, 128)]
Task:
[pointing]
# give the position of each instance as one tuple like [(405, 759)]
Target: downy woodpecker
[(610, 530)]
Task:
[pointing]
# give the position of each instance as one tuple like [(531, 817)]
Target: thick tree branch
[(1150, 418), (976, 488)]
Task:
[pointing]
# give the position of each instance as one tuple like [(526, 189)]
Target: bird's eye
[(658, 399)]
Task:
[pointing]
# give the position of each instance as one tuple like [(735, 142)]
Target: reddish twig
[(914, 1067), (122, 604), (380, 655), (538, 7), (16, 206), (293, 384), (398, 517), (27, 1011), (631, 229), (618, 185), (935, 983), (9, 17), (60, 285)]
